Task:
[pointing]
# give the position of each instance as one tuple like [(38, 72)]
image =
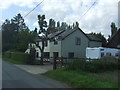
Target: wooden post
[(54, 63)]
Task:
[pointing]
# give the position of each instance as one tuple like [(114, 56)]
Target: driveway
[(14, 77), (36, 69)]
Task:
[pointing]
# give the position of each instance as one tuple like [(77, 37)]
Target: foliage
[(24, 38), (80, 79), (12, 31), (18, 56), (100, 36), (51, 27), (95, 66), (113, 28), (8, 35)]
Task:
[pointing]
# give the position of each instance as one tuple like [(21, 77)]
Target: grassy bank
[(13, 61), (80, 79)]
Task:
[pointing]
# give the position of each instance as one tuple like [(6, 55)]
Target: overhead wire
[(88, 9), (33, 8)]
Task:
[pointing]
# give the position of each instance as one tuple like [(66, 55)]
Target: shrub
[(95, 66), (7, 54), (20, 56)]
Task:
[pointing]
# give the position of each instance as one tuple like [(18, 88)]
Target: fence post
[(54, 63)]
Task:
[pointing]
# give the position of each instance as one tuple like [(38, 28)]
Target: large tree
[(42, 36), (19, 22), (10, 30), (9, 35)]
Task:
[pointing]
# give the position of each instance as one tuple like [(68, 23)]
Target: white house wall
[(47, 49), (55, 48)]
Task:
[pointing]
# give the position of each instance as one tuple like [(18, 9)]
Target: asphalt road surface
[(14, 77)]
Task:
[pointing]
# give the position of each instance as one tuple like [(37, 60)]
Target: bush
[(7, 54), (95, 66), (20, 56)]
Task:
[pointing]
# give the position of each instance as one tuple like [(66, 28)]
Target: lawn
[(80, 79)]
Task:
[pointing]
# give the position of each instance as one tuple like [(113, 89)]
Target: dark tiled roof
[(52, 35), (93, 37), (64, 33)]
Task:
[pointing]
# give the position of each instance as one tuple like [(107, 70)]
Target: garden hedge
[(18, 56)]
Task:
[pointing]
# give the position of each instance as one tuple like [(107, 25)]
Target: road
[(14, 77)]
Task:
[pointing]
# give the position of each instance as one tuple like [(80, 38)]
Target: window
[(46, 54), (55, 54), (101, 49), (102, 54), (108, 54), (55, 42), (78, 41), (71, 55)]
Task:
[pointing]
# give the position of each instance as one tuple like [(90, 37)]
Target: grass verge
[(13, 61), (80, 79)]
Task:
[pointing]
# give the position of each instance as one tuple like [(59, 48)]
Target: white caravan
[(98, 52)]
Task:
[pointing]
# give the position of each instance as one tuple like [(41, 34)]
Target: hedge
[(20, 56), (95, 66)]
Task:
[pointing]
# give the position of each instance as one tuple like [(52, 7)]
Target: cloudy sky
[(97, 19)]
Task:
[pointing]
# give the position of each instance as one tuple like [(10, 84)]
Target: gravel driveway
[(36, 69)]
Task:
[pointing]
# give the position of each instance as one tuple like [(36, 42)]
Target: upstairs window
[(55, 42), (77, 41)]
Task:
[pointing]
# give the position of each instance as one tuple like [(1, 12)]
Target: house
[(68, 43), (114, 41)]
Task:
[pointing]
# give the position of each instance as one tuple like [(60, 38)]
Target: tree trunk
[(41, 61), (42, 53)]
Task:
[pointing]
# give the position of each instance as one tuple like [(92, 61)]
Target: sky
[(97, 19)]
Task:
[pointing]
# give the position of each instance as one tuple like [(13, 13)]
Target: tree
[(10, 30), (113, 28), (24, 38), (42, 36), (19, 22), (76, 24), (58, 25), (73, 26), (63, 26), (51, 26), (8, 35), (100, 36)]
